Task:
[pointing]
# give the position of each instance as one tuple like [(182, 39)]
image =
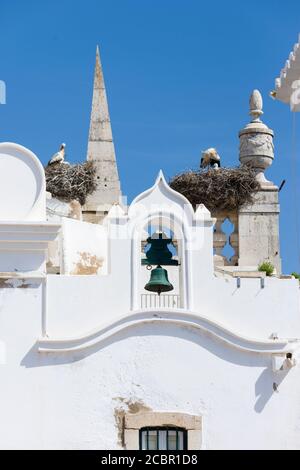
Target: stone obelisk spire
[(101, 150)]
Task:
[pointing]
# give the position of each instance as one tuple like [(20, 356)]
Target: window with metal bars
[(163, 438)]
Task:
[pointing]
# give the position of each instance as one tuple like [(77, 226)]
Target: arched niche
[(22, 184), (167, 223), (162, 206)]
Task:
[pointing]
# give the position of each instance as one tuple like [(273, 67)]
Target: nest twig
[(222, 189), (68, 182)]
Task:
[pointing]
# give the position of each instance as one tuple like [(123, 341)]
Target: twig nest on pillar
[(68, 182), (225, 189)]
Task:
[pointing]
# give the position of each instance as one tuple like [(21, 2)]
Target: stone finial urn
[(256, 141)]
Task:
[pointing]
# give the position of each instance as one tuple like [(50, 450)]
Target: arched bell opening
[(161, 280)]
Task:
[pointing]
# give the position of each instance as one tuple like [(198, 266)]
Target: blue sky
[(178, 77)]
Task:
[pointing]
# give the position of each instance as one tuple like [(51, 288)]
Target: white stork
[(59, 156), (210, 157)]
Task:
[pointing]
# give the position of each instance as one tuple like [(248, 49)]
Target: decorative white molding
[(287, 86), (26, 237), (30, 240), (174, 317), (160, 191)]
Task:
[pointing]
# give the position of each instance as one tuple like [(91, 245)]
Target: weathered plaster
[(88, 264)]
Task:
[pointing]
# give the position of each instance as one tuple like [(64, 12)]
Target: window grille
[(163, 438)]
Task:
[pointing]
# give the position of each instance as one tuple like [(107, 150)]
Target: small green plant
[(266, 267), (296, 275)]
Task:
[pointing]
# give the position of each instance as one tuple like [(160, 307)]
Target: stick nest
[(69, 182), (222, 189)]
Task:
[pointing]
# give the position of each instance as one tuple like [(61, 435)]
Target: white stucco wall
[(78, 351), (84, 248), (69, 401)]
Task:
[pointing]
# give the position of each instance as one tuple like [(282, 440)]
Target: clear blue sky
[(178, 77)]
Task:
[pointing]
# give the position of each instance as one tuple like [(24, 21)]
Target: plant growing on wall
[(296, 275), (266, 267)]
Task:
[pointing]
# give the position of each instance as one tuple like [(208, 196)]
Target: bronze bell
[(159, 281)]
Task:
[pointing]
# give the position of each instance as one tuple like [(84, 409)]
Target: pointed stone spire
[(101, 150), (256, 235)]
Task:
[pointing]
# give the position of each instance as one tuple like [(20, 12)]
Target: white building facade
[(89, 359)]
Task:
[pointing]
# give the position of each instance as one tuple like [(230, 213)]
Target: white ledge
[(164, 316)]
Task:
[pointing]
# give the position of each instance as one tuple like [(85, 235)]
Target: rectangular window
[(163, 438)]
